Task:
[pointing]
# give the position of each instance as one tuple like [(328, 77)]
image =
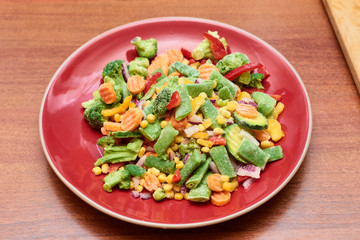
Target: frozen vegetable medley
[(184, 124)]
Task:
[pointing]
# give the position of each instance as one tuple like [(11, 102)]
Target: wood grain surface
[(322, 201)]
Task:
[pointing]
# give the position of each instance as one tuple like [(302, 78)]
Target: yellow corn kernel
[(163, 124), (201, 127), (224, 178), (225, 113), (201, 135), (142, 181), (132, 105), (169, 151), (158, 90), (155, 171), (105, 168), (169, 178), (146, 103), (175, 147), (188, 125), (96, 170), (205, 143), (231, 106), (185, 61), (243, 95), (205, 149), (162, 177), (131, 185), (178, 196), (266, 144), (142, 152), (122, 168), (117, 117), (274, 129), (200, 115), (195, 65), (230, 186), (179, 165), (179, 139), (144, 123), (168, 187), (151, 118), (176, 188), (169, 194), (215, 84), (207, 123), (218, 131), (139, 188), (278, 109), (176, 159), (186, 195), (220, 119)]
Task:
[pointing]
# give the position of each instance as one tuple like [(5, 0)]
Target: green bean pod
[(202, 192), (195, 179), (222, 161), (185, 106), (162, 165), (190, 166)]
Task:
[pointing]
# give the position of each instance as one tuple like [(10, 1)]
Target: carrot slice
[(246, 110), (214, 182), (174, 55), (261, 135), (136, 84), (107, 93), (112, 126), (151, 182), (131, 119), (220, 198), (205, 70), (161, 61)]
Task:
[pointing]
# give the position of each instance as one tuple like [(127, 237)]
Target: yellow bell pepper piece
[(117, 110), (274, 129)]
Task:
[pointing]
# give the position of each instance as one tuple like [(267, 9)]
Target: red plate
[(70, 144)]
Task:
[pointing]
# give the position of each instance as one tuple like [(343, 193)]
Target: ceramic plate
[(69, 142)]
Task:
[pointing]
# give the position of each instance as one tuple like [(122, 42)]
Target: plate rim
[(173, 225)]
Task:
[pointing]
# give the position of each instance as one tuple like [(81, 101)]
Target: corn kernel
[(169, 178), (151, 118), (188, 125), (185, 61), (175, 147), (195, 65), (201, 127), (144, 123), (176, 188), (205, 149), (218, 131), (200, 115), (231, 106), (201, 135), (122, 168), (179, 139), (225, 113), (224, 178), (215, 84), (169, 194), (117, 117), (96, 170), (179, 165), (131, 185), (105, 168), (266, 144), (227, 186), (205, 143), (220, 119), (146, 103), (142, 152), (169, 151), (203, 95), (132, 105), (155, 171), (163, 124), (142, 181), (162, 177), (243, 95), (178, 196), (186, 195), (207, 123), (176, 159), (168, 187), (139, 188)]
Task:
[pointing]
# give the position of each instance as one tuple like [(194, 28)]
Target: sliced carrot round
[(205, 70), (214, 182), (246, 110), (131, 119), (174, 55), (220, 198), (107, 93), (151, 182), (136, 84)]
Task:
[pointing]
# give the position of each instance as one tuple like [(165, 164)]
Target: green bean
[(135, 170), (195, 179), (195, 89), (121, 177), (210, 111), (185, 69), (275, 153), (223, 82), (165, 139), (202, 192), (152, 130), (252, 153), (185, 106), (222, 161), (162, 165), (190, 166)]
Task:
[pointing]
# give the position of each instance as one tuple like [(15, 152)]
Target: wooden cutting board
[(345, 19)]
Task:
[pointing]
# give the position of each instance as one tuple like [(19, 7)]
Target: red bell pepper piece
[(151, 81), (217, 48), (186, 53), (241, 179), (240, 70), (218, 140), (276, 97), (177, 177), (174, 101)]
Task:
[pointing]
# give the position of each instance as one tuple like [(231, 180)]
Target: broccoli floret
[(203, 50), (232, 61), (120, 178), (92, 114), (145, 48), (106, 141), (188, 147), (139, 66), (114, 71), (162, 100)]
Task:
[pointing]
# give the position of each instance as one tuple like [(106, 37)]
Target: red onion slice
[(125, 72), (213, 167), (246, 184), (141, 161), (145, 195), (135, 194), (249, 170), (191, 130)]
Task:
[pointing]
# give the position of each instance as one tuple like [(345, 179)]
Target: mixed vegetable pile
[(184, 125)]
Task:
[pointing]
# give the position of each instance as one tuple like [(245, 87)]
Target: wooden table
[(322, 201)]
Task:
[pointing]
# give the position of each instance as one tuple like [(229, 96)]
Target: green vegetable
[(224, 93), (252, 153), (265, 103), (162, 100), (210, 111), (192, 163), (203, 50), (185, 106), (195, 179), (120, 177), (202, 192), (197, 88), (159, 194), (255, 80), (173, 82), (231, 61), (221, 158), (139, 66), (106, 141), (92, 114), (126, 134), (135, 170), (185, 70), (275, 153), (165, 139), (145, 48), (114, 71), (188, 147), (233, 140), (223, 82), (162, 165), (258, 123), (152, 130), (135, 145)]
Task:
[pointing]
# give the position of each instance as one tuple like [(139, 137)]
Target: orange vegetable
[(220, 198), (115, 166), (112, 126), (178, 125), (151, 182), (151, 154), (107, 93), (261, 135), (119, 109), (174, 55), (136, 84), (246, 110), (205, 70), (131, 119), (214, 182), (161, 61)]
